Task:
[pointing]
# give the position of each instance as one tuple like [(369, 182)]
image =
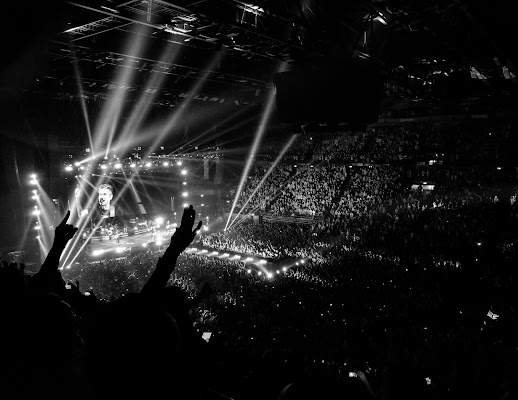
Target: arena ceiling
[(429, 50)]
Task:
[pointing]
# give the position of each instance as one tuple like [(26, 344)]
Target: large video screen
[(122, 198)]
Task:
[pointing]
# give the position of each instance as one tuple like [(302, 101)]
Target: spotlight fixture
[(69, 168), (184, 194), (184, 172)]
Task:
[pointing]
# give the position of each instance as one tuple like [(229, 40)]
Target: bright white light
[(37, 227), (270, 275), (77, 164), (97, 252), (159, 243), (175, 225), (297, 263), (248, 259), (33, 182), (148, 164), (166, 164), (479, 244), (185, 183), (185, 205), (205, 228), (133, 165), (185, 194), (35, 197), (69, 168), (120, 249), (35, 191), (33, 176), (184, 172), (81, 167), (144, 245), (37, 237), (178, 163), (302, 261), (159, 220), (278, 271), (36, 212), (117, 166), (262, 261), (249, 271), (103, 166), (498, 168), (259, 273), (284, 269)]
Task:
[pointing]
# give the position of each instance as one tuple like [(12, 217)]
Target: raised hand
[(184, 235), (64, 232)]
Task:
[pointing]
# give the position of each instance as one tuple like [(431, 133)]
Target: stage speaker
[(258, 219), (329, 93)]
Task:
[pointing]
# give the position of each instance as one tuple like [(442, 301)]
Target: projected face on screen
[(105, 198)]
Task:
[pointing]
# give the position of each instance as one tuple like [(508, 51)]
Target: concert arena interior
[(269, 200)]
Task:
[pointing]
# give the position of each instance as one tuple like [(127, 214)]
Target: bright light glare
[(178, 163), (184, 194), (185, 205), (33, 176), (184, 172), (97, 252), (148, 164), (302, 261), (133, 165), (284, 269), (103, 166), (159, 243), (37, 237), (35, 197), (120, 249), (144, 245), (185, 183), (117, 166), (205, 228), (270, 275), (259, 273), (159, 220), (68, 168), (166, 164), (37, 227), (36, 212), (77, 164), (33, 182)]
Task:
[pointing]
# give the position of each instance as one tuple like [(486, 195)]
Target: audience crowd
[(392, 291)]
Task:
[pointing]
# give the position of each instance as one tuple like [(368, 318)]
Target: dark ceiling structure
[(430, 51)]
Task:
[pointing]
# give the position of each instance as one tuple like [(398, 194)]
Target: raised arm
[(182, 238), (48, 276)]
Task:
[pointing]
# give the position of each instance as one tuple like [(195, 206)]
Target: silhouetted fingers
[(64, 222)]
